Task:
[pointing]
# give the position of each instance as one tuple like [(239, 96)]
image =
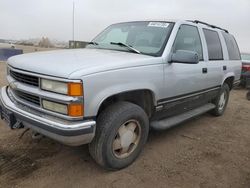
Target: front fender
[(101, 86), (118, 89)]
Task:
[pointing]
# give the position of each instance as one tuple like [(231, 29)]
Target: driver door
[(183, 81)]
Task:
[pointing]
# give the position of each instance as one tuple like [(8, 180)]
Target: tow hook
[(18, 125)]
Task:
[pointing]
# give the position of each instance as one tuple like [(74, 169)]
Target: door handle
[(204, 70), (224, 68)]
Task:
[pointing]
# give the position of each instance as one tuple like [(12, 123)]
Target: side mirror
[(184, 56)]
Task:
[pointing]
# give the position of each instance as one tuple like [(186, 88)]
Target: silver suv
[(132, 77)]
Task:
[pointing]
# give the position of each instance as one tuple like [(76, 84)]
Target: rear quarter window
[(232, 47), (213, 45)]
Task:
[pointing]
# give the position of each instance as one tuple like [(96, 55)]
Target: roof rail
[(212, 26)]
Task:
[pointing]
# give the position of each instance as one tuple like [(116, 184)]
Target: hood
[(63, 63)]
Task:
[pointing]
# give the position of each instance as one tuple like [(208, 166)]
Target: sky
[(25, 19)]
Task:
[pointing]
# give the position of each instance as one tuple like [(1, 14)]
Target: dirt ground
[(206, 152)]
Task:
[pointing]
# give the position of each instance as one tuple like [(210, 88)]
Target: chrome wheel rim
[(126, 139), (222, 100)]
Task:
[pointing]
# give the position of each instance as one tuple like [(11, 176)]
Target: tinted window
[(213, 45), (232, 47), (188, 38)]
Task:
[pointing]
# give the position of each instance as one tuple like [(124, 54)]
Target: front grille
[(27, 79), (27, 97)]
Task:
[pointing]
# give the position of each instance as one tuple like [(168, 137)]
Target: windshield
[(245, 57), (148, 38)]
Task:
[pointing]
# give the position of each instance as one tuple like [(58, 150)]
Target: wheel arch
[(145, 98), (229, 79)]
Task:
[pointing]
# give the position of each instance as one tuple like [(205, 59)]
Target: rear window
[(232, 47), (213, 45)]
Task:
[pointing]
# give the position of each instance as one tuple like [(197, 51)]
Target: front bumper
[(73, 133)]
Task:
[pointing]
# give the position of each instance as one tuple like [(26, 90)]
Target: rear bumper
[(73, 133)]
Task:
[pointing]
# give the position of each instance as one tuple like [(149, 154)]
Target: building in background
[(77, 44)]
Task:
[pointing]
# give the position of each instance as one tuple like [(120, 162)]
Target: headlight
[(54, 86), (55, 107), (73, 110), (71, 89)]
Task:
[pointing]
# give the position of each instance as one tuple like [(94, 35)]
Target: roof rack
[(212, 26)]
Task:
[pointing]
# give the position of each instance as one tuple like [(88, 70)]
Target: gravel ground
[(202, 153)]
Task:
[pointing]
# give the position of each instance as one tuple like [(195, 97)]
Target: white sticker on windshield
[(158, 24)]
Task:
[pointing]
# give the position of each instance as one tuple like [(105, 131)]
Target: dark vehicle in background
[(245, 76)]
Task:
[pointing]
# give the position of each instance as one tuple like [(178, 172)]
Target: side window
[(188, 38), (213, 45), (232, 47)]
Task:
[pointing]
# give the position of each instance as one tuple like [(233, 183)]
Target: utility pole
[(73, 22)]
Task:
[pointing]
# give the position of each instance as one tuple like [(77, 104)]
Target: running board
[(173, 121)]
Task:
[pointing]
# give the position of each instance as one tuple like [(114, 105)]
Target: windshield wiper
[(93, 43), (125, 45)]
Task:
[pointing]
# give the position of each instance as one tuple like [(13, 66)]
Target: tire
[(221, 107), (115, 127), (243, 84)]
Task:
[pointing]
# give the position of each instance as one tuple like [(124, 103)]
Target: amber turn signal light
[(75, 110), (75, 89)]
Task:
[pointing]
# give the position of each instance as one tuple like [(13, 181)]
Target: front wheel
[(122, 131), (221, 101)]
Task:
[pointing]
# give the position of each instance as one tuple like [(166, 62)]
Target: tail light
[(245, 68)]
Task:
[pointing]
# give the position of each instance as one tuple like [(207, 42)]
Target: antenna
[(73, 22)]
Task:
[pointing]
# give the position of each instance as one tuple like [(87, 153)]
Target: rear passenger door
[(215, 59)]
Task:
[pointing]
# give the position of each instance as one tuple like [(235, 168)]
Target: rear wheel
[(221, 101), (122, 131)]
